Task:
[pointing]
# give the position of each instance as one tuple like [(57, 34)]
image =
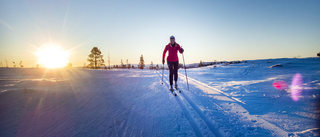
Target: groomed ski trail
[(91, 103), (188, 107)]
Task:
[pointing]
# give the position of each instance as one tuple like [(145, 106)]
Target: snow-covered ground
[(223, 100)]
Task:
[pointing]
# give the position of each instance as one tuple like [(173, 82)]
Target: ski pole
[(185, 70), (162, 73)]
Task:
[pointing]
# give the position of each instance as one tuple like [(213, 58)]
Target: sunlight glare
[(51, 55), (296, 87), (280, 85)]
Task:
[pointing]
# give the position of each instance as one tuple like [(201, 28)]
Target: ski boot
[(171, 88)]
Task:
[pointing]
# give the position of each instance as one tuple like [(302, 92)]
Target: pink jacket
[(173, 52)]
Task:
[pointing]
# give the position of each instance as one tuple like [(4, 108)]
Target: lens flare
[(296, 87), (280, 85)]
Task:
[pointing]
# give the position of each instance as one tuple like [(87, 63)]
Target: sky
[(208, 30)]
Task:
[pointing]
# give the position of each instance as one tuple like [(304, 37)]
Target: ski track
[(180, 97), (211, 126), (186, 112)]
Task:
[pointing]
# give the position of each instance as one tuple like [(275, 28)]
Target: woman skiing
[(172, 60)]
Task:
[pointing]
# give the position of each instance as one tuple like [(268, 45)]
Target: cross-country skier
[(172, 60)]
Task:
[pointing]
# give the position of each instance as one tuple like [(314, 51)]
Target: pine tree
[(141, 63), (95, 58), (151, 65), (200, 64), (21, 66), (122, 65), (180, 66)]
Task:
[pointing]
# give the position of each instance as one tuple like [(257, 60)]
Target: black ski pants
[(173, 69)]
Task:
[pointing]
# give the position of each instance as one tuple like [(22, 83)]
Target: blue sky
[(207, 30)]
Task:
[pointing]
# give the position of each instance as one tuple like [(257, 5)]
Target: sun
[(51, 55)]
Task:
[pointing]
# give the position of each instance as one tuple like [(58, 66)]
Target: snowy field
[(246, 99)]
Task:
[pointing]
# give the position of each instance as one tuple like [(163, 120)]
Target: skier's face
[(172, 40)]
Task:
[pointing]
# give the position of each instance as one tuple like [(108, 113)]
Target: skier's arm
[(164, 54)]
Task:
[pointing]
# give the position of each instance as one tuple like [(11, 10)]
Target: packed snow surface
[(274, 97)]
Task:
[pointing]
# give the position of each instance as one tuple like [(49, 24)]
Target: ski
[(173, 92), (178, 90)]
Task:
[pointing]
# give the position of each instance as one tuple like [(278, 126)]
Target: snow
[(223, 100)]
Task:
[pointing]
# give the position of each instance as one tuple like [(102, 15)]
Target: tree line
[(96, 61), (14, 64)]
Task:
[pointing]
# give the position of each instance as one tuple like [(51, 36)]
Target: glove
[(181, 50), (162, 61)]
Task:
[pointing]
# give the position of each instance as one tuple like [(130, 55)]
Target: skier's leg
[(170, 66), (175, 72)]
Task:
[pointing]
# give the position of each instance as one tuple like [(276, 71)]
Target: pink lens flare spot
[(296, 87), (280, 85)]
